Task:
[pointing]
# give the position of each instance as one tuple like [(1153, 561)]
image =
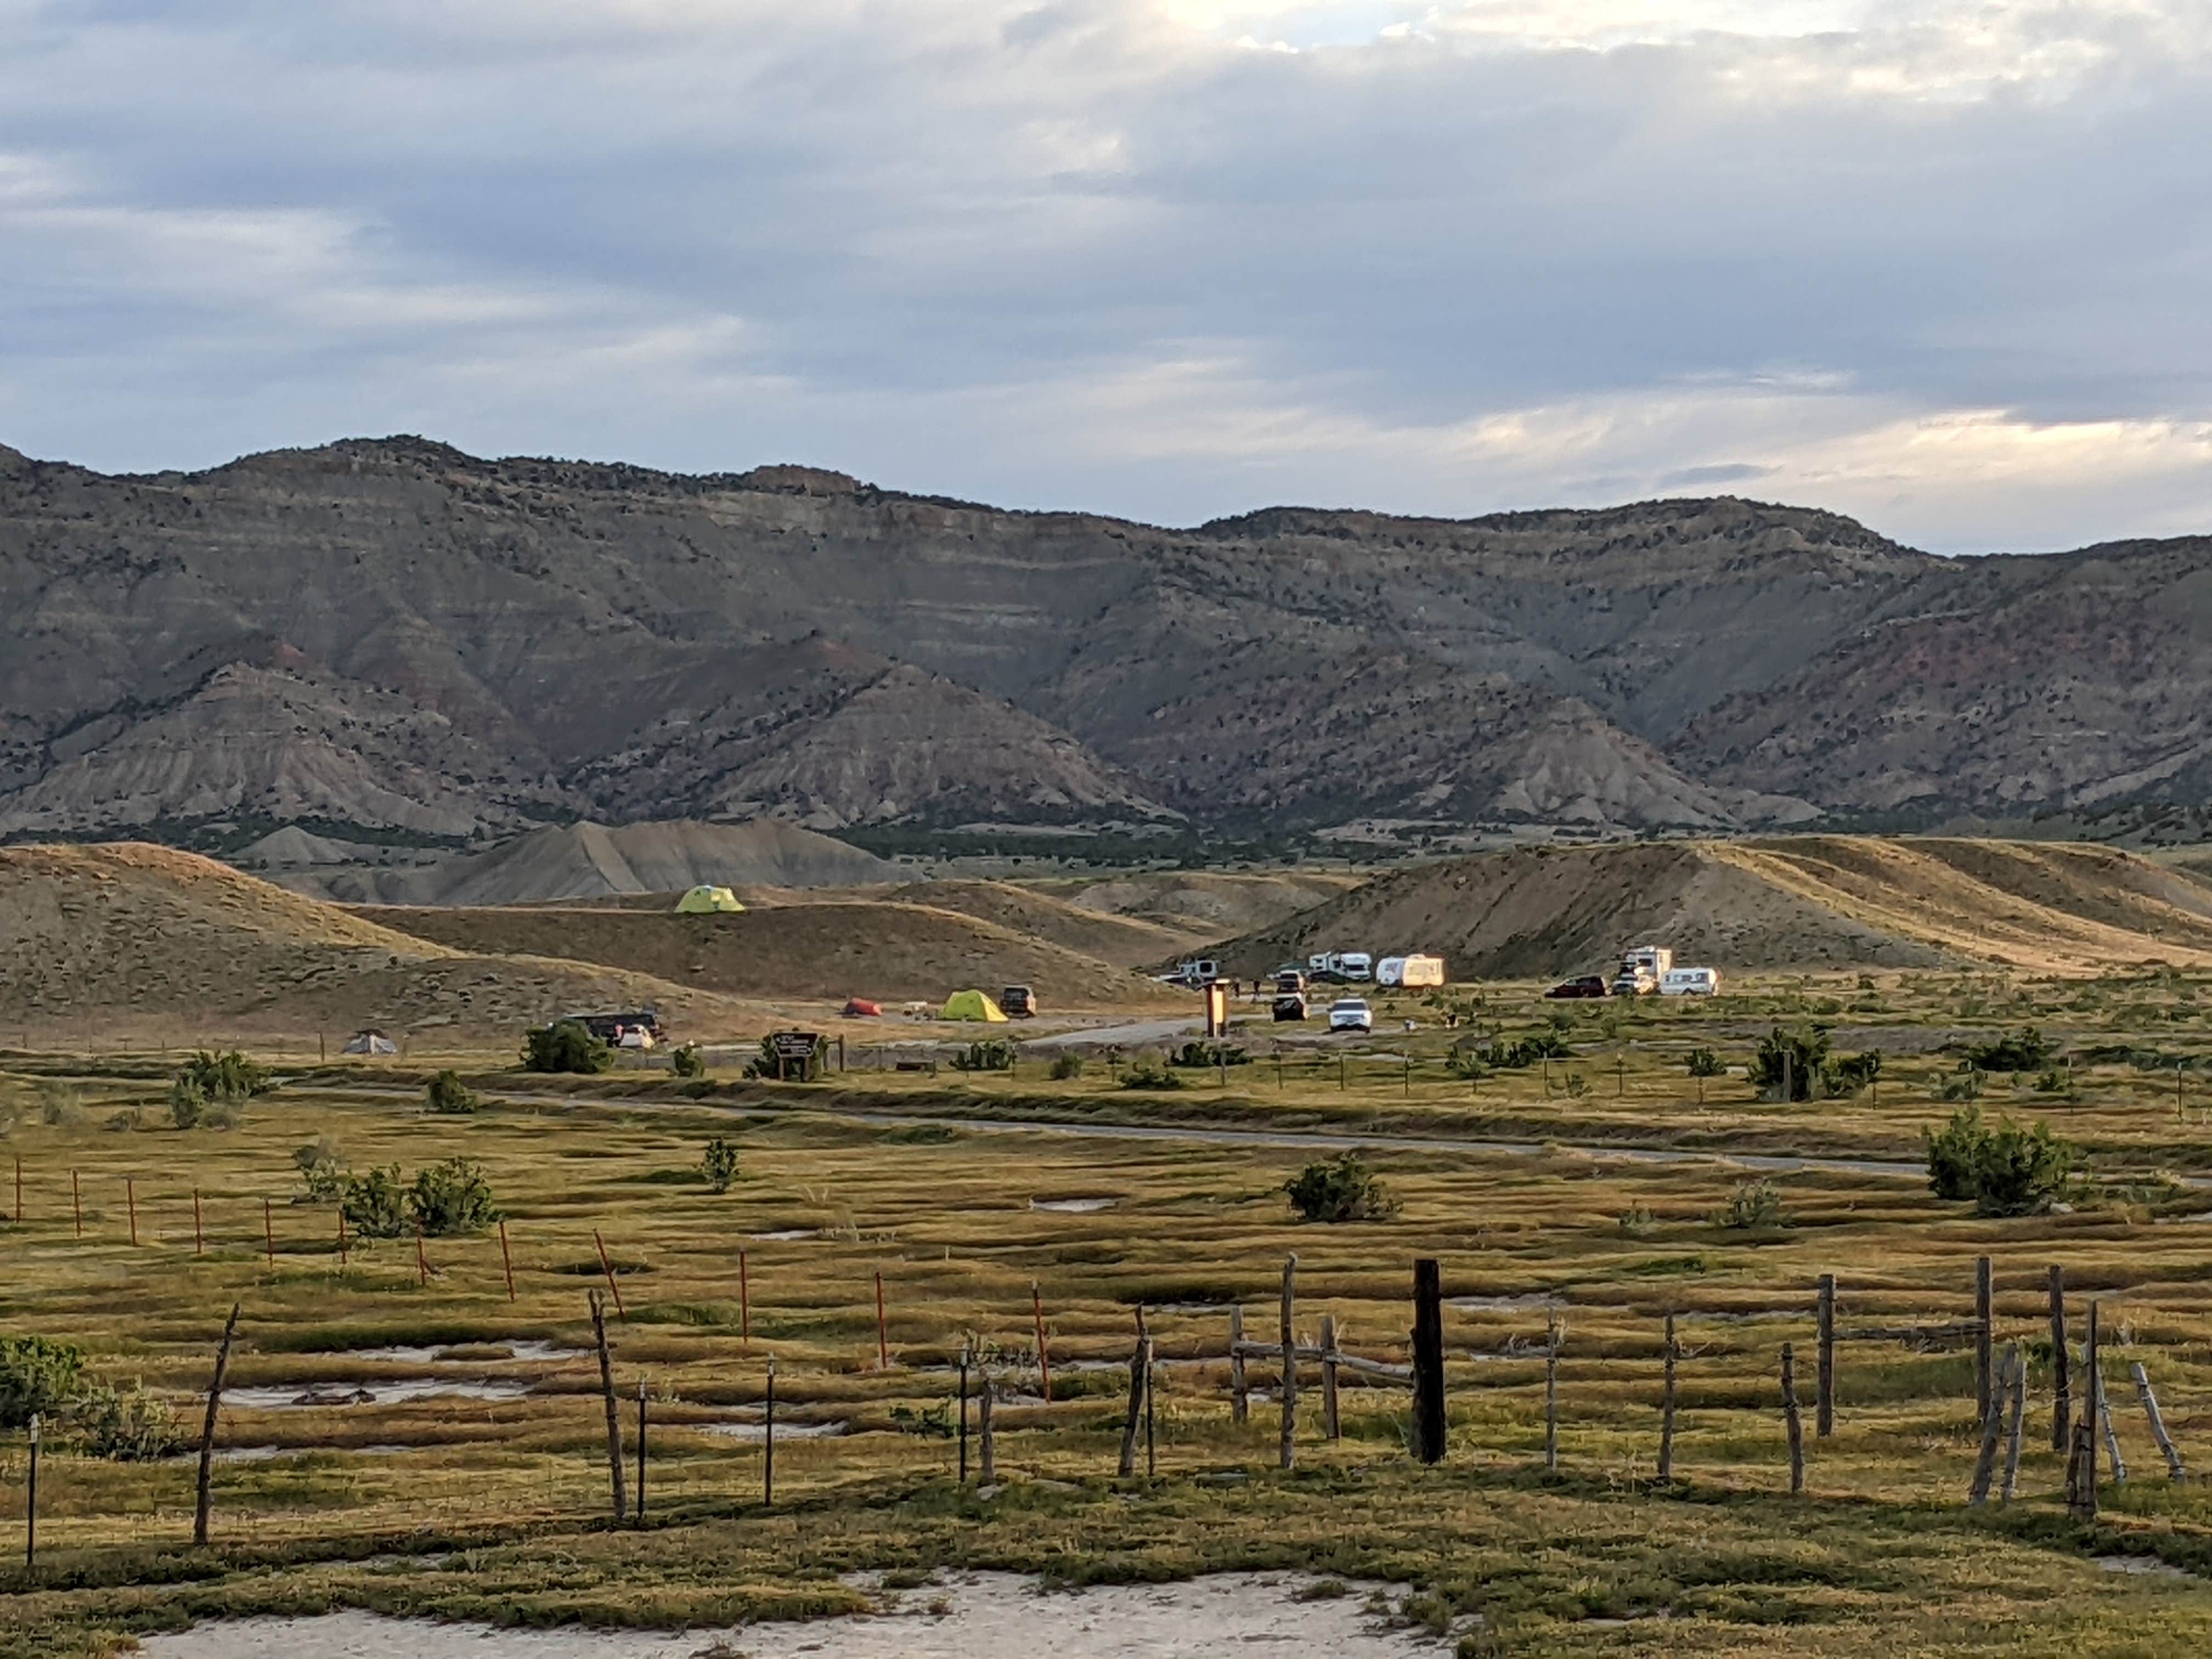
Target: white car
[(1350, 1014)]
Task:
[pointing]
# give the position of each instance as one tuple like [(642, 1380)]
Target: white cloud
[(1939, 262)]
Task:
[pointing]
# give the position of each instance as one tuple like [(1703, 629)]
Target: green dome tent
[(705, 901), (972, 1005)]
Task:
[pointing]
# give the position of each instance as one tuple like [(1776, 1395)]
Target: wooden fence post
[(768, 1435), (1044, 1357), (2104, 1422), (1428, 1361), (1985, 1463), (1290, 1363), (19, 1189), (77, 1203), (199, 1239), (1140, 1370), (203, 1503), (1667, 1409), (2061, 1404), (987, 1432), (1823, 1406), (344, 1252), (882, 1336), (965, 1349), (2166, 1446), (506, 1259), (31, 1499), (130, 1199), (421, 1261), (607, 1266), (1240, 1403), (639, 1513), (2083, 1495), (2017, 1424), (1331, 1426), (1552, 1393), (614, 1417), (269, 1231), (1789, 1417), (1985, 1304)]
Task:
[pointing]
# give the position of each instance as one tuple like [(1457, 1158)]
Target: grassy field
[(474, 1483)]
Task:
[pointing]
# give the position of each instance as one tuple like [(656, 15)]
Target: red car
[(1587, 985)]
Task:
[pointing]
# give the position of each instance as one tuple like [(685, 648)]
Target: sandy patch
[(968, 1616)]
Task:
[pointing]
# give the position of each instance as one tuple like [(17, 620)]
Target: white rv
[(1410, 971), (1690, 982)]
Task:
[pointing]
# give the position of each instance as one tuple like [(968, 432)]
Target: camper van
[(1412, 972), (1690, 982)]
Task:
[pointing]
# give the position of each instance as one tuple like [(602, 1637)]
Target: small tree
[(450, 1096), (2025, 1050), (2008, 1170), (452, 1197), (125, 1425), (1790, 1065), (688, 1061), (1067, 1066), (565, 1046), (1753, 1206), (1150, 1072), (187, 1102), (1953, 1152), (993, 1055), (375, 1204), (1703, 1062), (719, 1164), (1341, 1189), (226, 1077)]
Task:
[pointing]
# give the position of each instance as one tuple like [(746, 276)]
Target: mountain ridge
[(405, 638)]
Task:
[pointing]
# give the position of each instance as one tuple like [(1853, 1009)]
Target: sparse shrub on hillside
[(718, 1164), (1703, 1062), (1465, 1063), (1067, 1066), (1963, 1085), (565, 1046), (452, 1197), (1850, 1073), (992, 1055), (1576, 1085), (1513, 1055), (450, 1096), (1753, 1206), (2054, 1081), (187, 1102), (688, 1061), (1341, 1189), (59, 1107), (375, 1204), (1150, 1072)]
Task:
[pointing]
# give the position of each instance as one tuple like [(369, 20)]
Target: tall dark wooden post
[(1428, 1361)]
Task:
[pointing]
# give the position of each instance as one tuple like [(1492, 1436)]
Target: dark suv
[(1585, 985)]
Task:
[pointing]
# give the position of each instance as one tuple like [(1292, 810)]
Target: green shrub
[(226, 1076), (1067, 1066), (375, 1205), (992, 1055), (2007, 1171), (719, 1164), (2025, 1050), (1852, 1073), (450, 1096), (1465, 1062), (688, 1061), (565, 1046), (1965, 1085), (127, 1426), (1341, 1189), (187, 1102), (1753, 1206), (1150, 1072), (452, 1197), (1513, 1055), (1789, 1064), (1192, 1055), (38, 1376), (322, 1171), (1703, 1062)]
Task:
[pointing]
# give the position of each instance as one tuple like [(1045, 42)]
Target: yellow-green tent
[(972, 1005), (705, 901)]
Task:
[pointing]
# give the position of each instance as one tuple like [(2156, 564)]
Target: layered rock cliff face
[(395, 637)]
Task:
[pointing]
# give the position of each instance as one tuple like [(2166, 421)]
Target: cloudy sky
[(1940, 264)]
